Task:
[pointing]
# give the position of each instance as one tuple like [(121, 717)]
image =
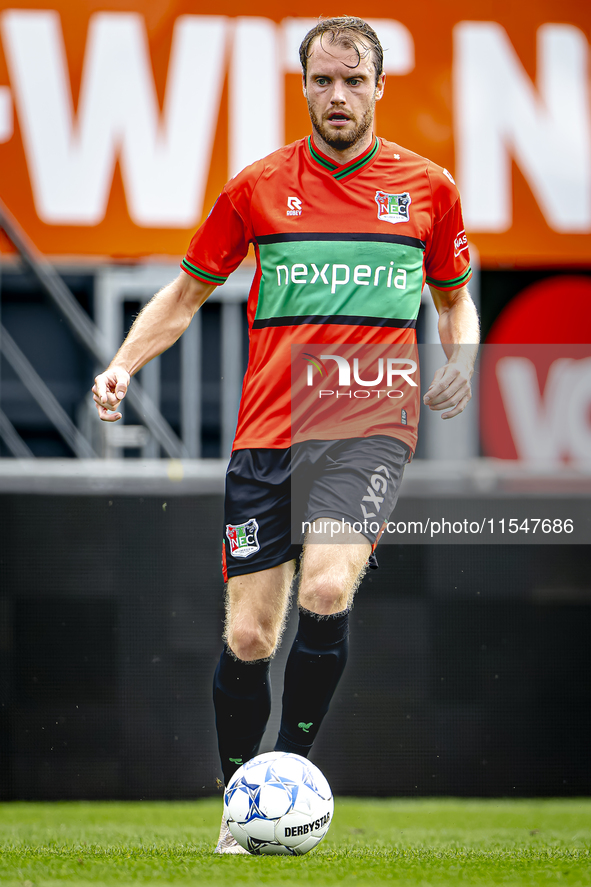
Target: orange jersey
[(343, 253)]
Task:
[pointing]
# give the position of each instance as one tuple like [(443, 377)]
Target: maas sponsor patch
[(393, 207), (243, 538), (460, 243)]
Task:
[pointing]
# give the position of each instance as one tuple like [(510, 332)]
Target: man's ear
[(380, 86), (304, 90)]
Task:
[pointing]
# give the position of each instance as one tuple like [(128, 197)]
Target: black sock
[(314, 667), (242, 700)]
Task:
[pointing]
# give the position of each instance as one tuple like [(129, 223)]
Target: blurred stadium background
[(119, 124)]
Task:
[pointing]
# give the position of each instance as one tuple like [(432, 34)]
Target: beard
[(337, 139)]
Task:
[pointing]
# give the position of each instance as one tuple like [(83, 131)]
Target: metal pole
[(12, 439), (0, 325), (456, 439), (44, 397), (8, 432), (151, 382), (191, 387), (231, 371)]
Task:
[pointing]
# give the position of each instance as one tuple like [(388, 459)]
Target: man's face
[(341, 93)]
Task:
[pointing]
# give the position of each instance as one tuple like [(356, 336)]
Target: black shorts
[(272, 495)]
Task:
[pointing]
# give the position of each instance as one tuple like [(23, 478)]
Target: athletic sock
[(242, 701), (314, 667)]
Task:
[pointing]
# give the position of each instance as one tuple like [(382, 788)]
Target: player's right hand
[(108, 391)]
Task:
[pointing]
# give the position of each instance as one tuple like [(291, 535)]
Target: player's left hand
[(450, 390)]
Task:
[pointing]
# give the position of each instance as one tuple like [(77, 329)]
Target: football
[(278, 803)]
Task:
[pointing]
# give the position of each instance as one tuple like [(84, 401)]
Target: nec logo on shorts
[(243, 538), (294, 206)]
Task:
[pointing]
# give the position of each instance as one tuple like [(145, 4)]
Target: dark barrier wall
[(469, 669)]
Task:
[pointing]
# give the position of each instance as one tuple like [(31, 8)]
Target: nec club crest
[(243, 538), (393, 207)]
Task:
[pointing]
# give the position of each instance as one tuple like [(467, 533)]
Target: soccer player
[(346, 228)]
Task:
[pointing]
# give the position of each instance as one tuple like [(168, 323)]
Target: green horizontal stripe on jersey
[(199, 272), (451, 284), (374, 279)]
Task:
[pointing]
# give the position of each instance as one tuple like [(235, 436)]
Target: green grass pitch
[(408, 842)]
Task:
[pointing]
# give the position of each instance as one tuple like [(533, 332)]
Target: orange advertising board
[(121, 120)]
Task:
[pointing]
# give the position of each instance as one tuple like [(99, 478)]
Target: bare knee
[(325, 594), (251, 641), (330, 576), (256, 606)]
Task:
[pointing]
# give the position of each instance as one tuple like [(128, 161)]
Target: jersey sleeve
[(218, 247), (447, 257)]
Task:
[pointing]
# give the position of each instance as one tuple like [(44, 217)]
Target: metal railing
[(85, 332), (115, 286)]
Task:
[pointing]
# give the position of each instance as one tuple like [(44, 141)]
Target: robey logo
[(294, 206)]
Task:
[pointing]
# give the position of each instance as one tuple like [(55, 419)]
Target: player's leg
[(258, 558), (356, 488), (330, 575), (256, 605)]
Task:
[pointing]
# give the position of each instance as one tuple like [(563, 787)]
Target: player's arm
[(459, 332), (158, 325)]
